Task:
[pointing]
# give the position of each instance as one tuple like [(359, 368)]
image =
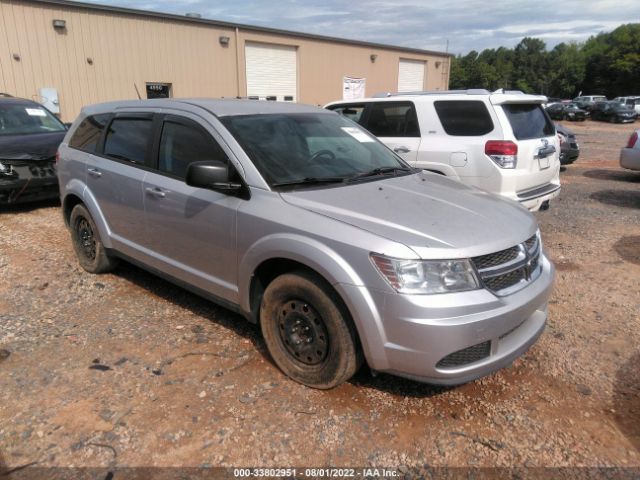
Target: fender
[(80, 189), (332, 267)]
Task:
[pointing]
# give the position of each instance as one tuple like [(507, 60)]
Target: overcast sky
[(428, 24)]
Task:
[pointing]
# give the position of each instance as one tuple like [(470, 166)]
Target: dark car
[(613, 112), (567, 111), (569, 148), (29, 138)]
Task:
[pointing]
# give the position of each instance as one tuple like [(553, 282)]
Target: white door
[(271, 71), (411, 75)]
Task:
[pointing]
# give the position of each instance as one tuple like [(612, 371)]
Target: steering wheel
[(323, 153)]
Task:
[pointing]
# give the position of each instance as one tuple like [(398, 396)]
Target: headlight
[(426, 276), (5, 169)]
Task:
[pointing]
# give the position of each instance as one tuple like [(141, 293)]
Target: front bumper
[(422, 330), (29, 183)]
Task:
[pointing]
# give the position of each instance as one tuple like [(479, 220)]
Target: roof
[(220, 108), (219, 23)]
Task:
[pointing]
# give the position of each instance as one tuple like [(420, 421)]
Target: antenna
[(137, 92)]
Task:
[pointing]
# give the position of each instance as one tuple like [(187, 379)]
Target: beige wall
[(132, 49)]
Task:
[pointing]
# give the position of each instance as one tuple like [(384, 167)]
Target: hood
[(39, 146), (435, 216)]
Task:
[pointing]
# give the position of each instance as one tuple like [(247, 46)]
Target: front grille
[(498, 258), (466, 355), (510, 270)]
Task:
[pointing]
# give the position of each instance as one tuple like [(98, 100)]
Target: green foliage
[(608, 64)]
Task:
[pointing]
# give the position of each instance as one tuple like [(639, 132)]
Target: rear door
[(396, 125), (115, 174), (192, 231), (533, 132)]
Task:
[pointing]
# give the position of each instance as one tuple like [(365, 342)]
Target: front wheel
[(87, 244), (308, 331)]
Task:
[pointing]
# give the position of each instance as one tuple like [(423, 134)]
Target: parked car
[(570, 111), (569, 148), (630, 155), (502, 142), (587, 102), (303, 222), (631, 102), (29, 138), (613, 112)]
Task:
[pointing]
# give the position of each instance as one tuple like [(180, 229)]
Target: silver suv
[(305, 223)]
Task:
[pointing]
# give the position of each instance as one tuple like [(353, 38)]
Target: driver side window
[(182, 143)]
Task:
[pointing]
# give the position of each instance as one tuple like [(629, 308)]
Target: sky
[(426, 24)]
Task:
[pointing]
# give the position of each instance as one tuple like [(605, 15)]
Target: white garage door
[(271, 71), (410, 76)]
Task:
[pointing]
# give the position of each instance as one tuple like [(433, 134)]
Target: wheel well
[(268, 270), (69, 202), (264, 274)]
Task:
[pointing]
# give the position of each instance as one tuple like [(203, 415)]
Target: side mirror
[(212, 175)]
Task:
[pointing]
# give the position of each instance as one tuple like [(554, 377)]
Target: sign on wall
[(353, 88)]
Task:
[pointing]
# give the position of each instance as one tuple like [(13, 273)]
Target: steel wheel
[(87, 240), (303, 332)]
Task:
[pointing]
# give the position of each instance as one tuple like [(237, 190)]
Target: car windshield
[(311, 148), (27, 119)]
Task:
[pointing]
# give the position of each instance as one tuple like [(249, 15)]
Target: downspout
[(238, 61)]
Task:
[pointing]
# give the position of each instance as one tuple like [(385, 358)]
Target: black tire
[(89, 249), (308, 331)]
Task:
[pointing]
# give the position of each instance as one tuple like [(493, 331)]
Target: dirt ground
[(126, 369)]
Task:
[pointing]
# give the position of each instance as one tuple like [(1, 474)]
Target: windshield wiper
[(309, 181), (378, 171)]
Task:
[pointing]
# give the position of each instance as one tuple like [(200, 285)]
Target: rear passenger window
[(182, 144), (127, 139), (89, 132), (464, 118), (528, 120), (393, 119), (352, 112)]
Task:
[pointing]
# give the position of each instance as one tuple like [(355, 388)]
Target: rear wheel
[(87, 244), (308, 331)]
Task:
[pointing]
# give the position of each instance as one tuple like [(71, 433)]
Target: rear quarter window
[(89, 132), (528, 120), (464, 118)]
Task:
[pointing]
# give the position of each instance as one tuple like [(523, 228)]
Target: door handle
[(401, 150), (155, 191), (94, 172)]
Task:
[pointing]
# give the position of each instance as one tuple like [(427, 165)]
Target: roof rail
[(470, 91)]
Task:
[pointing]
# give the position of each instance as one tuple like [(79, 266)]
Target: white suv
[(502, 142)]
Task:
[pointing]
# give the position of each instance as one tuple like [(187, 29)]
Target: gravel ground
[(125, 369)]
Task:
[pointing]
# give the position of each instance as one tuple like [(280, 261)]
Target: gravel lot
[(127, 370)]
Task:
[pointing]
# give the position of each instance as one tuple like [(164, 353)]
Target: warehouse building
[(68, 54)]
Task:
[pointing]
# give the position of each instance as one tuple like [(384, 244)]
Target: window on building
[(127, 139), (158, 90), (89, 132), (464, 118), (182, 144)]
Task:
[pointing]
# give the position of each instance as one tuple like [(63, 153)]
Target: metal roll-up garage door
[(271, 71), (410, 76)]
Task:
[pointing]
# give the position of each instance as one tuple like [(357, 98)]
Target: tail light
[(632, 140), (503, 153), (57, 157)]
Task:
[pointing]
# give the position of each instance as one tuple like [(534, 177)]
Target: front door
[(192, 231)]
